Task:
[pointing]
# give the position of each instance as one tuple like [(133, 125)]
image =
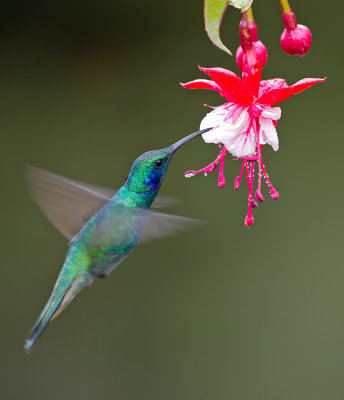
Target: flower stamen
[(258, 193), (237, 180), (273, 192), (251, 203), (211, 167), (221, 180)]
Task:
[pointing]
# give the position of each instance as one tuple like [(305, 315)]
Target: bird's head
[(148, 171)]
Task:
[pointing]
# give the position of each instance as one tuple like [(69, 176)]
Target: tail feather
[(42, 321), (58, 301)]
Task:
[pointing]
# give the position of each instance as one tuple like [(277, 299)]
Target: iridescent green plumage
[(102, 232)]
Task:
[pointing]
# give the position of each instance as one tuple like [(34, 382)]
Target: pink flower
[(245, 122), (296, 39), (259, 47)]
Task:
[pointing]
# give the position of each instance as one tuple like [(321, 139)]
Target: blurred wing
[(161, 225), (68, 204), (162, 202)]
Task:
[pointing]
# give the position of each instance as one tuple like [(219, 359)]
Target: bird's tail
[(62, 295), (42, 321)]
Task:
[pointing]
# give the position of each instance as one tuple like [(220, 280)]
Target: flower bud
[(260, 49), (296, 39)]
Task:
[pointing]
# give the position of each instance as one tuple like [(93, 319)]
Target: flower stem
[(288, 16), (285, 6), (250, 18)]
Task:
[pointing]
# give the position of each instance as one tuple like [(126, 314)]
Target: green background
[(221, 312)]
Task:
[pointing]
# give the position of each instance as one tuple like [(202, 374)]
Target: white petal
[(216, 135), (239, 126), (269, 133), (271, 112), (225, 129), (242, 146), (244, 143), (234, 136), (212, 119)]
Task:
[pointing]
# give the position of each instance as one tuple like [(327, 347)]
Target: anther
[(259, 196), (274, 194)]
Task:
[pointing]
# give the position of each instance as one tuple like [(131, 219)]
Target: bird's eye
[(158, 163)]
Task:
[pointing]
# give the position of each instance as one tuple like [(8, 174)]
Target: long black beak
[(180, 142)]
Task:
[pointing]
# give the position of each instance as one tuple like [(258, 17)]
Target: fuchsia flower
[(259, 47), (245, 122), (296, 39)]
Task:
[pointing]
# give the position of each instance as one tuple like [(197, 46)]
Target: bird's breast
[(112, 234)]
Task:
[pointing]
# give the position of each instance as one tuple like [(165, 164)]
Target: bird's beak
[(180, 142)]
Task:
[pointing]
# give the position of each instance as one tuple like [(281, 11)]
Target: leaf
[(213, 14), (243, 5)]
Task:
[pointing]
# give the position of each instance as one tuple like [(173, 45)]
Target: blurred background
[(221, 312)]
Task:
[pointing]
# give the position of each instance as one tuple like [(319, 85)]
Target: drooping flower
[(296, 39), (246, 121), (259, 47)]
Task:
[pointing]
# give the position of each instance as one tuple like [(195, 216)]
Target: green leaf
[(213, 14), (242, 4)]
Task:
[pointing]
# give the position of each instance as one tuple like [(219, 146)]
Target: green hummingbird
[(103, 228)]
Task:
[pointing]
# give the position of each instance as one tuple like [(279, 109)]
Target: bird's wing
[(163, 202), (161, 225), (69, 204)]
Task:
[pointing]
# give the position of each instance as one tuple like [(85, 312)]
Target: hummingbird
[(103, 228)]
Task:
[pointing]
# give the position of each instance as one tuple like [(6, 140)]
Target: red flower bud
[(296, 39), (261, 52)]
